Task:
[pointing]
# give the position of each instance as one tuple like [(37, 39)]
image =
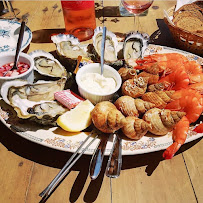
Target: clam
[(34, 101), (47, 65)]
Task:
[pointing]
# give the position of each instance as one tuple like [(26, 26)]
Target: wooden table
[(27, 168)]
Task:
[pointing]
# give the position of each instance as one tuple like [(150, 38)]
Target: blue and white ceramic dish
[(9, 31)]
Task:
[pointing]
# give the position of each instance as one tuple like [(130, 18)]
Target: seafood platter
[(158, 106)]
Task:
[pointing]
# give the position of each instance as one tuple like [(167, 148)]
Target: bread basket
[(185, 40)]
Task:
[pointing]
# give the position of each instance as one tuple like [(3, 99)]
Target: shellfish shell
[(68, 48), (134, 46), (47, 65), (110, 44), (34, 100)]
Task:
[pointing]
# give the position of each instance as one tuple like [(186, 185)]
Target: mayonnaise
[(98, 84)]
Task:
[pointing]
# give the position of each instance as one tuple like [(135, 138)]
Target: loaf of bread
[(190, 18)]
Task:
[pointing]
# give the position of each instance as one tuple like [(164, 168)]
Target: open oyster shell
[(110, 44), (47, 65), (34, 101), (134, 46), (111, 48), (69, 48)]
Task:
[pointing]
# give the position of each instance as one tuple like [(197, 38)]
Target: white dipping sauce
[(96, 83)]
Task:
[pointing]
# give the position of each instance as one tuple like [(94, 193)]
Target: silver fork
[(5, 10)]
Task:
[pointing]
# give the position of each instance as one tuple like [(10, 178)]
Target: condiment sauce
[(5, 69), (98, 84)]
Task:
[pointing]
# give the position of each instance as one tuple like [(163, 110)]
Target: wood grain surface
[(27, 168)]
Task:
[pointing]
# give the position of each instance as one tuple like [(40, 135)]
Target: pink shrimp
[(191, 102), (175, 81), (179, 136), (197, 86), (195, 78), (167, 62), (194, 71), (199, 128)]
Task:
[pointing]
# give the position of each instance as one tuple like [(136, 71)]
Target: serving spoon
[(18, 49)]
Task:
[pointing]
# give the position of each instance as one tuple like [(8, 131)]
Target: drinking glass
[(136, 7), (79, 18)]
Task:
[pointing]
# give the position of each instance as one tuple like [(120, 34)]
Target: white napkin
[(183, 2)]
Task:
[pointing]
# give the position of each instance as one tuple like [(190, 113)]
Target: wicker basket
[(185, 40)]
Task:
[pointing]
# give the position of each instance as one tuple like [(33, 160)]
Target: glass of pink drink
[(79, 17), (136, 7)]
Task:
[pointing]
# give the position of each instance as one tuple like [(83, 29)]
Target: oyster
[(134, 46), (47, 65), (42, 90), (69, 48), (34, 101), (111, 44)]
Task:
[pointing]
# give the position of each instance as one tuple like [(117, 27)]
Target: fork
[(5, 10)]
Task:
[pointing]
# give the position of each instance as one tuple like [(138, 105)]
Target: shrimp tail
[(179, 137), (171, 150)]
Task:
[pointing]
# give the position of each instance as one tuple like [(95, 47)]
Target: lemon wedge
[(77, 119)]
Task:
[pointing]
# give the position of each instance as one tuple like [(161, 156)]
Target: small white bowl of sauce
[(96, 87), (24, 69)]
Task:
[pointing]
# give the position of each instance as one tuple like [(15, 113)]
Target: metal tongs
[(64, 171)]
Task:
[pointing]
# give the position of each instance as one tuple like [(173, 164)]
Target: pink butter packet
[(68, 98)]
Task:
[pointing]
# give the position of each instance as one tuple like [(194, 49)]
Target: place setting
[(106, 97)]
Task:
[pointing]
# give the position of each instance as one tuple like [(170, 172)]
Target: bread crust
[(190, 18)]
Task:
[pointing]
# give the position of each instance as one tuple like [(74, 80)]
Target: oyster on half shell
[(69, 48), (134, 46), (34, 101), (42, 90), (110, 54), (47, 65)]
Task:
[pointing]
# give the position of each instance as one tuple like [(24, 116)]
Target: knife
[(97, 158)]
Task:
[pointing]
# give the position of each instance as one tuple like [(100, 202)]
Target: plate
[(9, 31), (59, 139)]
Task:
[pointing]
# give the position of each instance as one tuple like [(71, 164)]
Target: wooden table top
[(27, 168)]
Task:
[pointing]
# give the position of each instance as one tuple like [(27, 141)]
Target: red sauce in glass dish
[(5, 69)]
